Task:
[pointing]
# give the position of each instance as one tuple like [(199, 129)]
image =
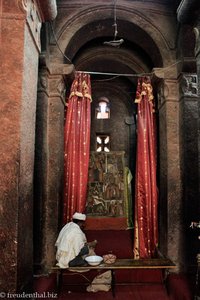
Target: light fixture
[(115, 42)]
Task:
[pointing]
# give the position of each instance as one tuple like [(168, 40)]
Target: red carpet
[(118, 242), (178, 288), (132, 292), (130, 284)]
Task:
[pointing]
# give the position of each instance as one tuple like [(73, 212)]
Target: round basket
[(109, 258)]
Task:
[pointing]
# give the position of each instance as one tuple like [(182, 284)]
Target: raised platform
[(126, 263), (158, 263)]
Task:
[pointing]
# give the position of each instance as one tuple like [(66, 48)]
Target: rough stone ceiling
[(95, 34), (139, 52)]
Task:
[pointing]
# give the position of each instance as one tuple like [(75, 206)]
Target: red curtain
[(77, 146), (146, 193)]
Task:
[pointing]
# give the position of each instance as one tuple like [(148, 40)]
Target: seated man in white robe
[(72, 246)]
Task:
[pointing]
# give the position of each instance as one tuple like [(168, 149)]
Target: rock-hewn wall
[(20, 48)]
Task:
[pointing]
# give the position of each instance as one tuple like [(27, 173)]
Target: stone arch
[(131, 60), (100, 13), (68, 28)]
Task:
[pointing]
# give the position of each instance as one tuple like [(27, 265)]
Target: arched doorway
[(81, 38)]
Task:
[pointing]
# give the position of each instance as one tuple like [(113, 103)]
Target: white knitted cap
[(79, 216)]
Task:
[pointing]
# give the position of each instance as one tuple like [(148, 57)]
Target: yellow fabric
[(128, 197)]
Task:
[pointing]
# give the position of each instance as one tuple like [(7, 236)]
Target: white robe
[(70, 241)]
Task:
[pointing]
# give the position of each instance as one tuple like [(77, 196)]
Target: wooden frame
[(156, 263)]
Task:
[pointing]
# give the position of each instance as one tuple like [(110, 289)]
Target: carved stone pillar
[(197, 56), (197, 206), (189, 133), (197, 52), (49, 162), (171, 210), (188, 13), (20, 46)]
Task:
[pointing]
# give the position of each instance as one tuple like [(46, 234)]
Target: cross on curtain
[(77, 146), (146, 193)]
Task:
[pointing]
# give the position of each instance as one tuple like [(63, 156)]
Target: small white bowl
[(94, 260)]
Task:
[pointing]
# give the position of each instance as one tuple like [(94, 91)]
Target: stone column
[(189, 133), (20, 46), (170, 177), (197, 56), (52, 83), (188, 13), (20, 23)]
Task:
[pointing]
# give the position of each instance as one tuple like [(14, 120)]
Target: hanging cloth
[(128, 197), (77, 146), (146, 193)]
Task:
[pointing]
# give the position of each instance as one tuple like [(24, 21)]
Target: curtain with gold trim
[(77, 146), (146, 192)]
